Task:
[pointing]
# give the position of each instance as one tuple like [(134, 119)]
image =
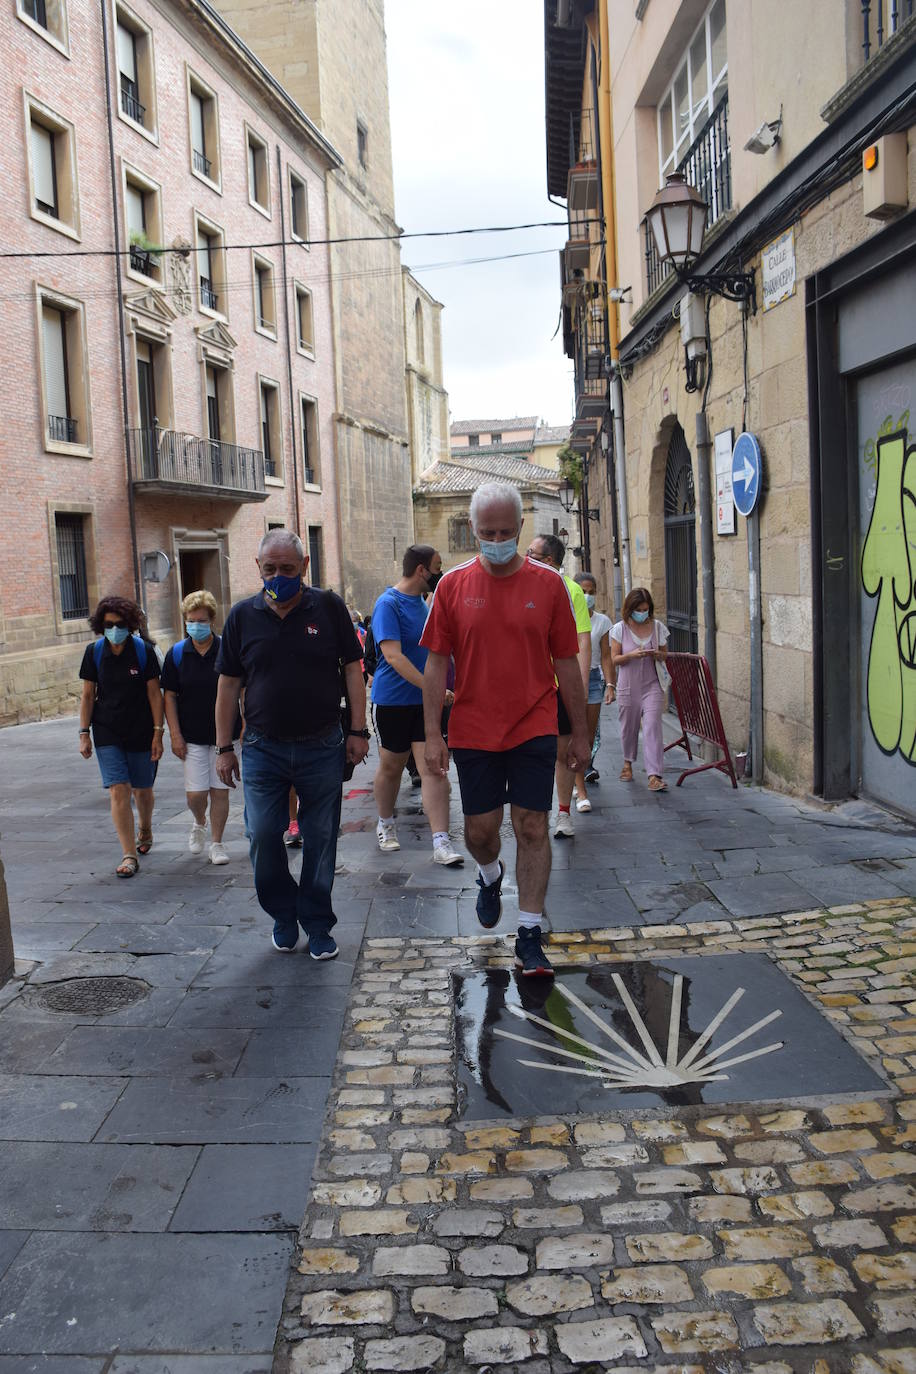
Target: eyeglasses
[(116, 625)]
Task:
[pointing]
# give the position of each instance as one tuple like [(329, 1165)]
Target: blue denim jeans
[(270, 768)]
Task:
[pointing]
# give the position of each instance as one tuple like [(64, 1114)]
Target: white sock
[(489, 872), (440, 837), (527, 919), (383, 821)]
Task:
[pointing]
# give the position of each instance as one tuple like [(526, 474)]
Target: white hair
[(282, 536), (494, 494)]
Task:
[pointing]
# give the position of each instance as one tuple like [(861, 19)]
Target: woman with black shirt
[(189, 681), (121, 711)]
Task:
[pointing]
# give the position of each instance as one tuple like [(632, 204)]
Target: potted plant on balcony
[(144, 254)]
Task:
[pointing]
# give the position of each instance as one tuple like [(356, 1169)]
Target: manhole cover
[(676, 1031), (91, 996)]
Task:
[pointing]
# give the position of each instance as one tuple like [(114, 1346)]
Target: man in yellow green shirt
[(550, 549)]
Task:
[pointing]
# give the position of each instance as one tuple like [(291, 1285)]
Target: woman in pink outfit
[(638, 643)]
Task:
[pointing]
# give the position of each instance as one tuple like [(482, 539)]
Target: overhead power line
[(236, 285), (289, 242)]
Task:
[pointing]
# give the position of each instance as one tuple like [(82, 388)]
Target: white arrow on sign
[(747, 476)]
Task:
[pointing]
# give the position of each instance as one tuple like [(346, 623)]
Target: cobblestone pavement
[(156, 1157)]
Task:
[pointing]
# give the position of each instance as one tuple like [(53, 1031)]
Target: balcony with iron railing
[(130, 101), (164, 460), (582, 177), (208, 296), (62, 429), (591, 362), (202, 163), (881, 20), (707, 166)]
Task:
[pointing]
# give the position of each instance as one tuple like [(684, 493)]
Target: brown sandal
[(128, 866), (657, 784), (626, 772), (144, 841)]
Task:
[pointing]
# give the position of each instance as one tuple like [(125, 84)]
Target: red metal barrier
[(698, 711)]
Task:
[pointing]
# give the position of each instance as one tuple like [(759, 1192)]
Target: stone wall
[(777, 412)]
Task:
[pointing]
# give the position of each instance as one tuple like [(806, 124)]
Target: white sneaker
[(583, 804), (387, 836), (564, 825), (445, 854), (218, 853), (196, 838)]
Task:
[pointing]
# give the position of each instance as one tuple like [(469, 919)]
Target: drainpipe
[(139, 592), (704, 497), (293, 407), (606, 138)]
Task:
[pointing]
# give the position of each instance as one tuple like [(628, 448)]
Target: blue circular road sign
[(747, 473)]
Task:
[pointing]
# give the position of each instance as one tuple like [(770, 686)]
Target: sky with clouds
[(466, 89)]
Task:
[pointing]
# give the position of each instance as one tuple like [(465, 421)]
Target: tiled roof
[(517, 446), (551, 434), (493, 426), (468, 475)]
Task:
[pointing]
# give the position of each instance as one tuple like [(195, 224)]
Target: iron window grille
[(71, 564)]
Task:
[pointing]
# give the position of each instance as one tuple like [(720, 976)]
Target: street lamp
[(569, 499), (677, 218)]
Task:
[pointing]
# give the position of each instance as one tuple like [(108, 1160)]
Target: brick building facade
[(178, 400), (331, 56)]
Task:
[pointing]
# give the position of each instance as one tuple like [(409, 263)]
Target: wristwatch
[(360, 734), (225, 748)]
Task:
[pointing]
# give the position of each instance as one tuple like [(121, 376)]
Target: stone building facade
[(173, 390), (330, 55), (427, 398), (814, 179)]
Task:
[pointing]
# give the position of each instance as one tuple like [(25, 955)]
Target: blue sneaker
[(489, 901), (285, 937), (529, 956), (322, 945)]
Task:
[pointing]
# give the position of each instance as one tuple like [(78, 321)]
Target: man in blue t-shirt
[(398, 618)]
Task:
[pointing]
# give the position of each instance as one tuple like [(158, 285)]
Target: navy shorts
[(118, 765), (522, 776)]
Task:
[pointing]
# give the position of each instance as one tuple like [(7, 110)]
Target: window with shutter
[(44, 171), (55, 363)]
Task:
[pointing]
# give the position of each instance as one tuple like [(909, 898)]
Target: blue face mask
[(116, 634), (198, 629), (502, 552), (282, 588), (641, 616), (590, 601)]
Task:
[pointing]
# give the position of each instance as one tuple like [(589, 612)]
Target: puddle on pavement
[(658, 1032)]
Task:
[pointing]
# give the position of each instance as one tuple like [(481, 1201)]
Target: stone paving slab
[(246, 1188), (230, 1278), (732, 1236), (206, 1110), (96, 1187)]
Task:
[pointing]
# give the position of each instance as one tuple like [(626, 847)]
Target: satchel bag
[(661, 672)]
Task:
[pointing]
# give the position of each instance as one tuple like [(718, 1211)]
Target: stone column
[(6, 935)]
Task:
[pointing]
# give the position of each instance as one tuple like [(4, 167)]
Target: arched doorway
[(680, 547)]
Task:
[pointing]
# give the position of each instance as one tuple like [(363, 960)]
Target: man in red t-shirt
[(509, 625)]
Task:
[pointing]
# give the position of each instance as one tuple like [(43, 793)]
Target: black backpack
[(370, 653)]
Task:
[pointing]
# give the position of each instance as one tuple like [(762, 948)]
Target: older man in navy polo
[(285, 647)]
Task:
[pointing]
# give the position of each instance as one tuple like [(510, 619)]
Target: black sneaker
[(529, 956), (489, 901), (592, 775)]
